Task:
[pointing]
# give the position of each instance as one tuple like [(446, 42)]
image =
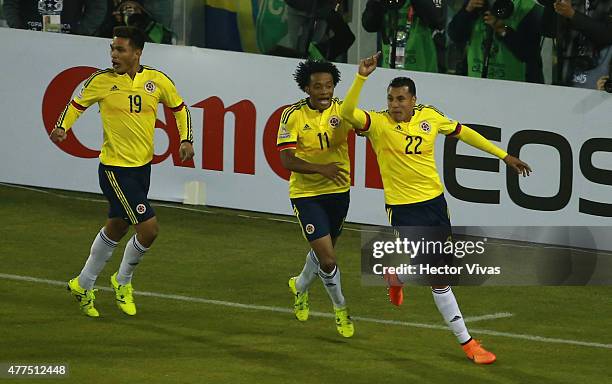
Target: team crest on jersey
[(141, 208), (150, 86), (425, 127), (80, 95), (310, 229), (283, 133), (334, 121)]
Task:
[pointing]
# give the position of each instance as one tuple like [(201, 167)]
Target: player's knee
[(124, 230), (439, 286), (327, 265), (115, 231), (147, 233), (152, 231)]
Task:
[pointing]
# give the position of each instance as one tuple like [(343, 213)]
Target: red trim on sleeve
[(283, 146), (456, 131), (366, 126), (78, 106), (178, 108)]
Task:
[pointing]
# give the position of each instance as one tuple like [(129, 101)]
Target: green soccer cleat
[(123, 296), (85, 297), (344, 324), (300, 305)]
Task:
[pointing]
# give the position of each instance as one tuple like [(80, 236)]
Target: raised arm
[(358, 118)]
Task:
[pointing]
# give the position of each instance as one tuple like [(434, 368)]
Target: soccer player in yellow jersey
[(128, 96), (403, 140), (312, 140)]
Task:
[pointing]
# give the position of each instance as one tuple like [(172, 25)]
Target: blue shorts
[(428, 220), (321, 215), (126, 190), (429, 213)]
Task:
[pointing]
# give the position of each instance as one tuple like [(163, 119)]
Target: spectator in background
[(306, 21), (583, 32), (316, 29), (601, 83), (505, 35), (81, 17), (136, 14), (2, 18), (161, 10), (417, 26)]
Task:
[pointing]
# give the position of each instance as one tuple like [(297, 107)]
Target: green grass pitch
[(218, 255)]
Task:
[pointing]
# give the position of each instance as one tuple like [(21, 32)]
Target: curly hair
[(308, 67)]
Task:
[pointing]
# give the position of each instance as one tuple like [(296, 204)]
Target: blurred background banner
[(271, 23), (230, 25)]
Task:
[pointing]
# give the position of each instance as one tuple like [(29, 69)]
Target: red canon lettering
[(214, 129), (58, 94)]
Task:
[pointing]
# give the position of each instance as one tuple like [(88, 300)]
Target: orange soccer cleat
[(475, 352), (395, 289)]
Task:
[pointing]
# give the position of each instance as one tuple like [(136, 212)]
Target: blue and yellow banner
[(245, 25)]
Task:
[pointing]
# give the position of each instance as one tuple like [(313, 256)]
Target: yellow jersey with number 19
[(129, 110)]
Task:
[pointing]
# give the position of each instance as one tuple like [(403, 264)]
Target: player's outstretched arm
[(518, 165), (476, 140), (331, 171), (349, 111)]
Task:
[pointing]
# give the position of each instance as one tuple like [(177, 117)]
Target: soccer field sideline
[(171, 205), (329, 315)]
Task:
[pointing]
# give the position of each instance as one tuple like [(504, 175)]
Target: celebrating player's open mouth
[(324, 101)]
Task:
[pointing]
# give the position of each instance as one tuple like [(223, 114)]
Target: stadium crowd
[(498, 39)]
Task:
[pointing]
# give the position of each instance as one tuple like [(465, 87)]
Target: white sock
[(134, 251), (309, 272), (447, 305), (101, 250), (333, 287)]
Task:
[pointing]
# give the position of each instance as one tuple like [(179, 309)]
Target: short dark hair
[(308, 67), (136, 35), (403, 82)]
